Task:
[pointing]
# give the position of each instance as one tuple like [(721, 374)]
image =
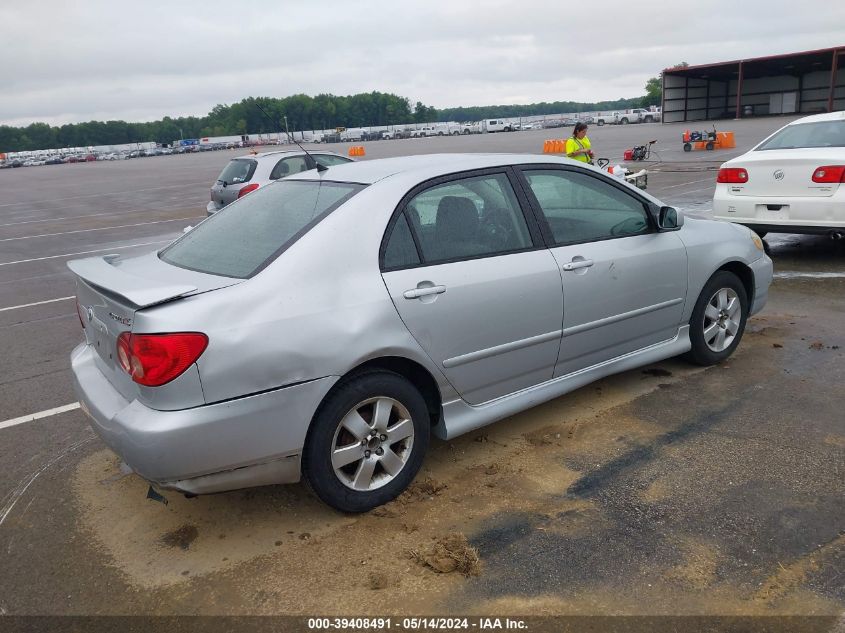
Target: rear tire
[(600, 122), (367, 441), (624, 121), (718, 319), (687, 147)]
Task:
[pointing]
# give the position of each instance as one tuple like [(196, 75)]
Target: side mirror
[(668, 219)]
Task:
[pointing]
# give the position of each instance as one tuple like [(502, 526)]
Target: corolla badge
[(122, 320), (778, 174)]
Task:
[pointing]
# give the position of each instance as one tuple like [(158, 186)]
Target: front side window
[(582, 208), (467, 218), (820, 134), (244, 237)]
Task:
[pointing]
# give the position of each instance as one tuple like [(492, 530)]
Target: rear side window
[(327, 160), (401, 250), (246, 236), (237, 171), (467, 218), (820, 134), (288, 166)]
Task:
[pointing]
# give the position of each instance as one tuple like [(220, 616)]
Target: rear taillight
[(829, 174), (156, 359), (732, 175), (80, 314), (247, 189)]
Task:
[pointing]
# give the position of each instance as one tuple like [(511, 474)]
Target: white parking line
[(38, 416), (95, 215), (22, 487), (104, 228), (686, 193), (99, 250), (691, 182), (37, 303), (786, 274), (98, 195)]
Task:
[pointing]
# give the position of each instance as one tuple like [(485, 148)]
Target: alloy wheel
[(372, 443), (722, 318)]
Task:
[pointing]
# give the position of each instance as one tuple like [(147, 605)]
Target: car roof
[(424, 166), (280, 152), (816, 118)]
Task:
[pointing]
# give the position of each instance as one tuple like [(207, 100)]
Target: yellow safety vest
[(573, 145)]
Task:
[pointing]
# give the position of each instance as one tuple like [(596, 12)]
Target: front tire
[(367, 442), (718, 319)]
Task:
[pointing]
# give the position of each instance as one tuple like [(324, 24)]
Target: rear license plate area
[(772, 211)]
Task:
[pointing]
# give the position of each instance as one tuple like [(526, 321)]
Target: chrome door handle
[(575, 265), (416, 293)]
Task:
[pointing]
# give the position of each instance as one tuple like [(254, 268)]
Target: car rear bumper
[(819, 215), (250, 441)]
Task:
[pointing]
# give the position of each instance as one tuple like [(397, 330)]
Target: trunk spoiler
[(99, 271)]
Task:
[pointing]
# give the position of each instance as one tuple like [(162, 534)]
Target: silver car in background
[(245, 174), (327, 324)]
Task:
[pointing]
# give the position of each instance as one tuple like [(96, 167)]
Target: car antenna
[(320, 168)]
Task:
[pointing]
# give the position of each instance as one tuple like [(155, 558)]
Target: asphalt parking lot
[(665, 490)]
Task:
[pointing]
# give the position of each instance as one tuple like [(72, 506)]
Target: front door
[(624, 283)]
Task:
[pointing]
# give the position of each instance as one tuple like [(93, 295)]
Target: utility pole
[(286, 127)]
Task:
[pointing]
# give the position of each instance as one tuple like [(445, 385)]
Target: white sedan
[(792, 182)]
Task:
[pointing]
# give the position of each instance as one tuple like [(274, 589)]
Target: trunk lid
[(224, 195), (110, 291), (234, 177), (786, 173)]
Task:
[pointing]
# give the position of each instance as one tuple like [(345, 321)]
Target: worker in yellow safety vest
[(578, 146)]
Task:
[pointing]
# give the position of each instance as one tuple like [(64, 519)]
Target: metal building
[(808, 82)]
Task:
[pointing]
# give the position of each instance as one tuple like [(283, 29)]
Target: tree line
[(303, 112)]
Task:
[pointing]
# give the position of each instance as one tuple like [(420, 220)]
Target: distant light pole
[(286, 128)]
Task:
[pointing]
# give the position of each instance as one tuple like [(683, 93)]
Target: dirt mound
[(449, 553), (421, 490), (544, 437)]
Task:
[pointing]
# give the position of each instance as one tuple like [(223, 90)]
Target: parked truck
[(496, 125), (634, 115)]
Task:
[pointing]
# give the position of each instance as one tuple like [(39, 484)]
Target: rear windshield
[(821, 134), (246, 236), (237, 171)]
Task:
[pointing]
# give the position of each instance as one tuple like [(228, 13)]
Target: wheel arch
[(411, 370), (745, 274)]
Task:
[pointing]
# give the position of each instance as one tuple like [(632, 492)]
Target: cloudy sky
[(139, 60)]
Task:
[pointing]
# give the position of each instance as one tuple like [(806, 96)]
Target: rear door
[(289, 166), (469, 276), (624, 283)]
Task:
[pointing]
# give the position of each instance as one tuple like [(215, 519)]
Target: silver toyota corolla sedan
[(327, 324)]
